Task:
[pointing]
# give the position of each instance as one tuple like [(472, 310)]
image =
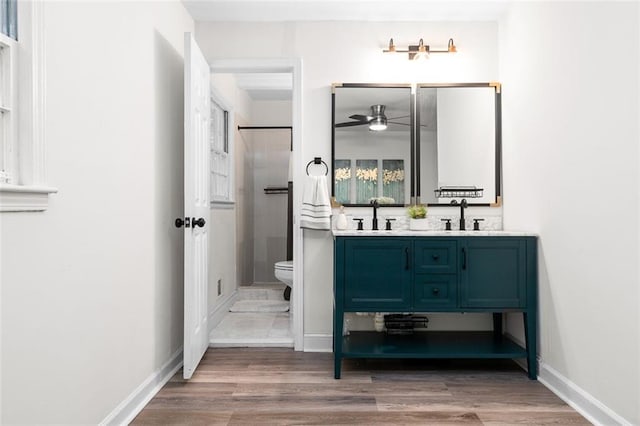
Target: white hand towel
[(316, 209)]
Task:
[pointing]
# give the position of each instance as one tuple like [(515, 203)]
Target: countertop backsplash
[(490, 222)]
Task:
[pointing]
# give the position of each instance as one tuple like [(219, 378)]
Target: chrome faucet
[(463, 205), (374, 221)]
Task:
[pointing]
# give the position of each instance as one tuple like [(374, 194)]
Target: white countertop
[(440, 233)]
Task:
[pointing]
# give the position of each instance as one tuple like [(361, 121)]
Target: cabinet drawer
[(435, 291), (436, 256)]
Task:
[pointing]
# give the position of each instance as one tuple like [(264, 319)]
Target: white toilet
[(284, 272)]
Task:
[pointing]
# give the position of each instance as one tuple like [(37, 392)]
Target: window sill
[(23, 198)]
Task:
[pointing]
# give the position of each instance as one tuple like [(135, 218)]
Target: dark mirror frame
[(412, 105), (498, 142), (415, 138)]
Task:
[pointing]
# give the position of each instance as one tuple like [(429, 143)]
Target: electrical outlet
[(219, 286)]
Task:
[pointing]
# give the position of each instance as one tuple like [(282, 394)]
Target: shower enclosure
[(265, 223)]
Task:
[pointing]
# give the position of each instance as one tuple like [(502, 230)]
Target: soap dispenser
[(341, 221)]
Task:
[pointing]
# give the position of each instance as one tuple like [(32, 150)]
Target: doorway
[(268, 135)]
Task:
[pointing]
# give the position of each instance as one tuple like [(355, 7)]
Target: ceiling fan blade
[(360, 117), (405, 124), (351, 123)]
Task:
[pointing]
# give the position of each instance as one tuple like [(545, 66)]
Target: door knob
[(198, 222), (186, 222)]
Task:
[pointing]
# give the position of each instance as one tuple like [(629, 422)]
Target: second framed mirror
[(458, 144)]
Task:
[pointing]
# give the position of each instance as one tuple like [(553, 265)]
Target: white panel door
[(196, 203)]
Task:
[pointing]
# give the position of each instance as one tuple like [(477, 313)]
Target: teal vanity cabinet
[(440, 273)]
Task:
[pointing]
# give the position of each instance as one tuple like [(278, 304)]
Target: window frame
[(8, 108), (225, 151), (8, 15), (29, 190)]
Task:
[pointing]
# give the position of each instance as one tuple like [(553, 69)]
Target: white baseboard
[(216, 315), (128, 409), (576, 397), (318, 342), (580, 400)]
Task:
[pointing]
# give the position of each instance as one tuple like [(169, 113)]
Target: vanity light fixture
[(420, 50)]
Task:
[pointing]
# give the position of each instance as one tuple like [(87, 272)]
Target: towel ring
[(318, 160)]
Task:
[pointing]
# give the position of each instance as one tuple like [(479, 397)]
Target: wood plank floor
[(267, 386)]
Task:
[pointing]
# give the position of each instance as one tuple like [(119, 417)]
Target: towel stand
[(318, 160)]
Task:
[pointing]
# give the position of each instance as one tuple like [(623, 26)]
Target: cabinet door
[(378, 275), (493, 273)]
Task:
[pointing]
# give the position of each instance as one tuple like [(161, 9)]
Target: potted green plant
[(418, 217)]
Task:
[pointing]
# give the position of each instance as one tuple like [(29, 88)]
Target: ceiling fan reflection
[(377, 121)]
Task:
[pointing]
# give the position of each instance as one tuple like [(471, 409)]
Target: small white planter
[(418, 224)]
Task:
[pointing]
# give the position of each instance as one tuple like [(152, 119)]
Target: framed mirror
[(458, 144), (433, 144), (373, 144)]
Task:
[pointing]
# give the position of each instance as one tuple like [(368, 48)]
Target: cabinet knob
[(435, 257), (435, 290)]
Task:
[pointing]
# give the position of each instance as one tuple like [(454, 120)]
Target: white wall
[(348, 52), (92, 288), (222, 259), (225, 219), (570, 105), (240, 219)]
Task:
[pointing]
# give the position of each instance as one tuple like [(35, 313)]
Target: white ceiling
[(345, 10)]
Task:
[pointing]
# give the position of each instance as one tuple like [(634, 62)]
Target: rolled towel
[(316, 207)]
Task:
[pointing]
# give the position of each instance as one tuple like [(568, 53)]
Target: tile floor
[(254, 329)]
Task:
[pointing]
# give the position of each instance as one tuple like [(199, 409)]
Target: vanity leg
[(337, 366), (337, 343), (530, 335), (497, 324)]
